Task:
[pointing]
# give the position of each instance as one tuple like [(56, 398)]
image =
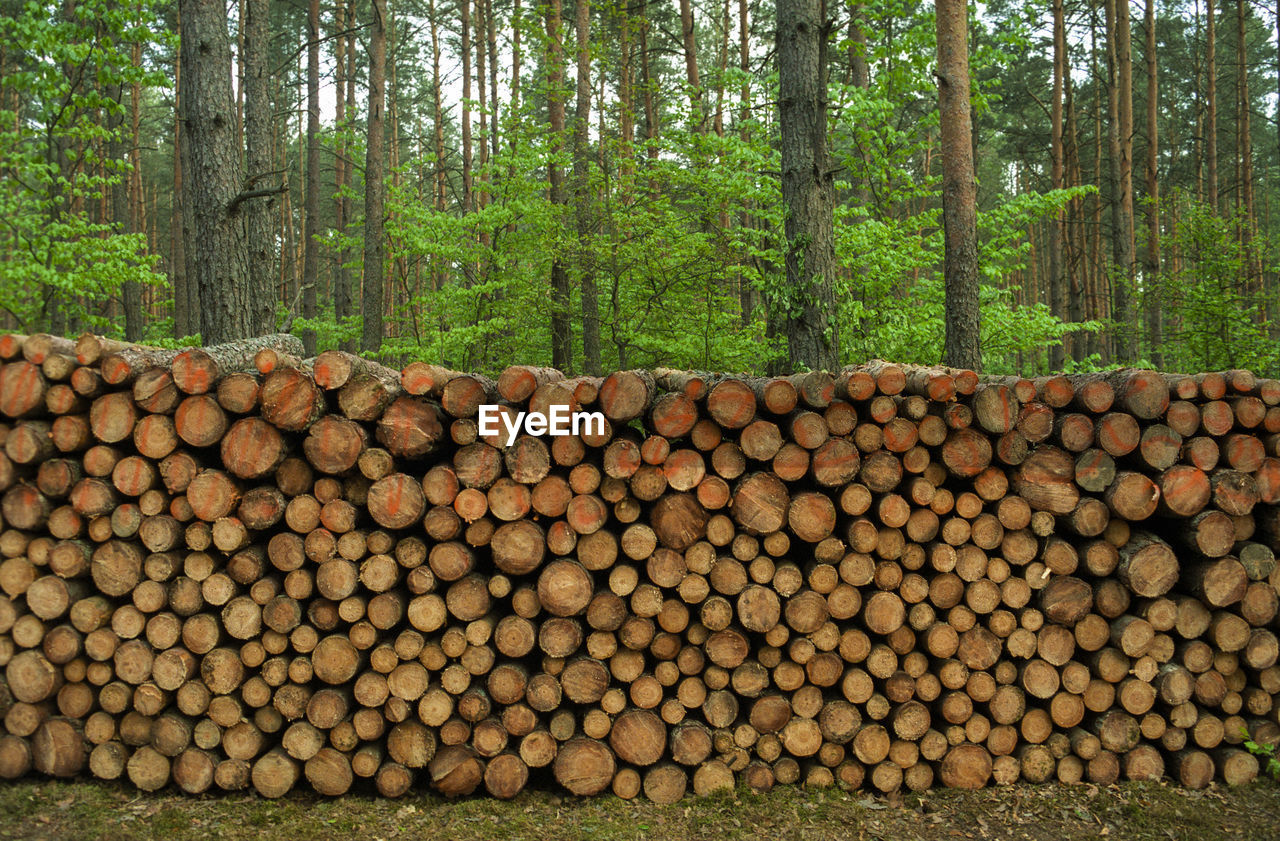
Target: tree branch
[(255, 194)]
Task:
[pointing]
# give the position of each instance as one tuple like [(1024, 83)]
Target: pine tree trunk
[(1211, 98), (494, 104), (1120, 134), (311, 226), (626, 92), (481, 28), (464, 14), (132, 292), (217, 259), (343, 294), (859, 74), (807, 190), (650, 112), (561, 331), (722, 63), (688, 40), (178, 278), (746, 294), (1057, 282), (259, 212), (1152, 283), (441, 184), (1096, 343), (1244, 149), (582, 195), (1075, 257), (372, 299), (959, 188)]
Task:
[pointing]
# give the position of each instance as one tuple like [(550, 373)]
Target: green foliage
[(686, 247), (1214, 320), (58, 262), (1266, 753)]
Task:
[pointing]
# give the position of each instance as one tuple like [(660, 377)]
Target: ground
[(85, 811)]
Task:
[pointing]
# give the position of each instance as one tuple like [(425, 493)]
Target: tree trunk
[(859, 71), (183, 311), (650, 111), (1211, 99), (441, 184), (696, 112), (343, 294), (1076, 268), (626, 93), (1244, 149), (372, 298), (959, 188), (746, 294), (561, 331), (259, 212), (807, 190), (1151, 282), (132, 292), (1120, 101), (582, 195), (722, 63), (217, 259), (311, 227), (491, 36), (464, 14), (1096, 342), (1057, 281)]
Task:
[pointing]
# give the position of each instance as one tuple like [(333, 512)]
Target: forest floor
[(85, 811)]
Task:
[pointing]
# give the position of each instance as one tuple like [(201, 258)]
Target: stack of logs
[(231, 567)]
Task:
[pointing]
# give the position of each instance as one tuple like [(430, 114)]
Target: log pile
[(232, 568)]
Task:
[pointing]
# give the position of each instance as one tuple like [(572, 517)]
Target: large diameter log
[(732, 403), (760, 503), (1046, 480), (291, 400), (58, 748), (626, 395), (1184, 490), (275, 774), (1148, 566), (456, 771), (584, 766), (252, 448), (410, 427), (1132, 496), (396, 501), (679, 520), (22, 389), (966, 452), (1219, 583), (1144, 394), (639, 737), (966, 766), (1066, 599)]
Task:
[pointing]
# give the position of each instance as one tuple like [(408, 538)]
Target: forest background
[(598, 185)]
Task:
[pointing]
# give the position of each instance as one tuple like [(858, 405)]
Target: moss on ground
[(84, 811)]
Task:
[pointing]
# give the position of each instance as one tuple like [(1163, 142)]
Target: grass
[(84, 811)]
